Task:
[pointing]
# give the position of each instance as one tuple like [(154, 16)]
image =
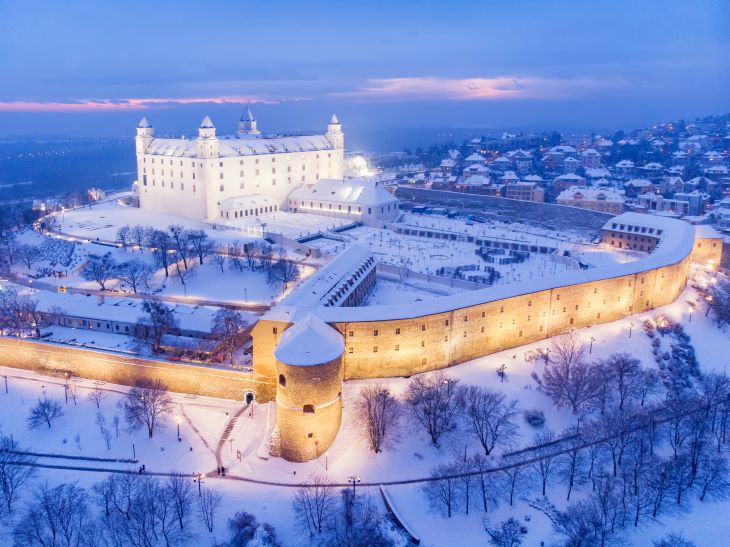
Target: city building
[(596, 199)]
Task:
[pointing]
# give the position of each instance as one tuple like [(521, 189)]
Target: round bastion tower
[(309, 388)]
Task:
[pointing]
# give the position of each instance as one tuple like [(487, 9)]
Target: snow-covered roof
[(597, 172), (571, 160), (476, 180), (592, 194), (351, 191), (247, 202), (475, 157), (625, 163), (590, 152), (570, 176), (144, 124), (562, 149), (533, 178), (447, 163), (476, 168), (510, 176), (316, 290), (638, 183), (653, 166), (676, 243), (310, 341), (241, 145), (705, 231), (206, 123)]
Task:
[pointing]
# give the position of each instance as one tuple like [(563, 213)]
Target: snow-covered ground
[(411, 457)]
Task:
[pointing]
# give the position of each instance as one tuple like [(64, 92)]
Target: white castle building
[(203, 178)]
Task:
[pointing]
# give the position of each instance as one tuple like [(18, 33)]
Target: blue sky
[(96, 67)]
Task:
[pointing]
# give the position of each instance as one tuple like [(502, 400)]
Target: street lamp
[(690, 310), (354, 479), (65, 388), (631, 327), (326, 462), (590, 349), (199, 477), (709, 301), (177, 421)]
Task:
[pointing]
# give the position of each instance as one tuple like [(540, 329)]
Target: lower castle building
[(306, 353)]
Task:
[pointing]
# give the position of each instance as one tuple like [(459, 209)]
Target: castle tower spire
[(247, 124)]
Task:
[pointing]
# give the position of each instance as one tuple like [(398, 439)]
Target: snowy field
[(103, 220), (411, 457)]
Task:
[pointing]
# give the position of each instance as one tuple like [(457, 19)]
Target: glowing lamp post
[(326, 462), (354, 480), (709, 303), (590, 349), (199, 477), (690, 310)]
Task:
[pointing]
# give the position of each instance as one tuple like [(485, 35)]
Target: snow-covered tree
[(378, 413), (433, 402), (488, 415), (147, 405), (44, 412), (100, 269)]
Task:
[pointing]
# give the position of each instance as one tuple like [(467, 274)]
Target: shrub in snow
[(674, 540), (275, 443), (535, 417)]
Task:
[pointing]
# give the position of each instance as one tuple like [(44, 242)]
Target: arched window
[(308, 409), (282, 380)]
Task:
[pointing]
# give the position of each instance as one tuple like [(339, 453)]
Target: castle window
[(423, 343), (375, 332), (282, 380), (308, 409), (571, 320), (446, 323), (423, 327), (375, 349), (576, 307), (397, 347), (275, 330), (424, 361), (397, 331), (351, 333), (482, 329), (220, 164), (520, 334), (220, 176), (484, 314), (529, 303), (350, 350), (446, 338), (221, 187), (464, 334), (466, 318), (501, 309)]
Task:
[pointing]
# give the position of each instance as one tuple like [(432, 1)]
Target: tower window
[(282, 380), (308, 409)]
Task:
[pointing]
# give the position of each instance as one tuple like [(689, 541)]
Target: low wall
[(55, 359)]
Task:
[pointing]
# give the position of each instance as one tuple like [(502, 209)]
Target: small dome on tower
[(247, 116), (206, 123), (144, 124)]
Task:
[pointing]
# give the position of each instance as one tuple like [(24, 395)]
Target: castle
[(211, 176)]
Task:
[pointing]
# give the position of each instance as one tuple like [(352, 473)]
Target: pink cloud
[(91, 105), (465, 89)]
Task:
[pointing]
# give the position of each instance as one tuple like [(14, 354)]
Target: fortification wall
[(54, 359)]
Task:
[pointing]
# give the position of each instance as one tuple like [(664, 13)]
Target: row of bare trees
[(635, 462), (439, 404), (20, 315), (571, 381)]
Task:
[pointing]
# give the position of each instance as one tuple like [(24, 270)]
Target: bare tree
[(124, 236), (100, 269), (266, 255), (201, 245), (158, 321), (313, 503), (16, 468), (648, 384), (219, 257), (570, 383), (184, 275), (718, 301), (576, 524), (180, 242), (378, 412), (432, 400), (572, 460), (488, 415), (245, 528), (485, 480), (441, 490), (229, 328), (508, 533), (546, 457), (97, 395), (180, 489), (9, 245), (625, 372), (44, 412), (104, 430), (712, 478), (673, 540), (135, 273), (147, 405), (235, 252), (208, 503), (28, 255), (284, 272), (514, 474), (161, 244), (56, 516), (251, 252), (138, 236), (354, 522)]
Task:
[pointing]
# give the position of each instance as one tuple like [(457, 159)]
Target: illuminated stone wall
[(708, 251), (55, 359)]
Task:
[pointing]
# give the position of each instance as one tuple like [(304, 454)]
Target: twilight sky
[(89, 67)]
